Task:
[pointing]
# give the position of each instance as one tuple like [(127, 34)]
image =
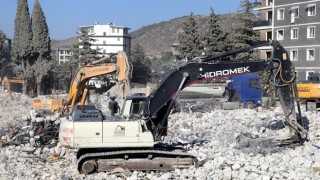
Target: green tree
[(22, 49), (141, 65), (41, 45), (86, 54), (242, 34), (214, 37), (4, 50), (189, 40), (62, 74)]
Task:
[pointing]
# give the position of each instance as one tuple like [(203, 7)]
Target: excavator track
[(142, 160)]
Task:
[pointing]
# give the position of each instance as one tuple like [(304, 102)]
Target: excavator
[(309, 91), (78, 90), (104, 143), (46, 131)]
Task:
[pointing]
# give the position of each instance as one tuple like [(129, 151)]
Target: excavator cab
[(131, 106)]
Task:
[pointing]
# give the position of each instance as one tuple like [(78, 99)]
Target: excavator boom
[(159, 104)]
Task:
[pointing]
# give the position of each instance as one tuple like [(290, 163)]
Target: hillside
[(158, 37), (63, 43)]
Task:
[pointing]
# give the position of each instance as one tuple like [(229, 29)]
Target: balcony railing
[(262, 23), (256, 4)]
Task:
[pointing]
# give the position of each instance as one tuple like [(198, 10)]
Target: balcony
[(261, 24), (258, 5)]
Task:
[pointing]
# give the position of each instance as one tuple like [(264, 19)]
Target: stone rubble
[(218, 138)]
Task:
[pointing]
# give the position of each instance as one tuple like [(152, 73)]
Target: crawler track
[(142, 160)]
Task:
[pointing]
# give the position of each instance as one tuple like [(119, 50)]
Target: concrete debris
[(226, 141)]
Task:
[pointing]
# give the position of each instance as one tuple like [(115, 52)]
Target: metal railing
[(262, 23)]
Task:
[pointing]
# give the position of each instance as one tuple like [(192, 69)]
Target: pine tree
[(242, 33), (22, 49), (137, 53), (141, 65), (41, 45), (214, 38), (4, 50), (86, 54), (189, 40)]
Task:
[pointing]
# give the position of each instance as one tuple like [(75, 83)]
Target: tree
[(22, 48), (141, 65), (4, 49), (242, 34), (214, 37), (85, 53), (41, 45), (62, 76), (189, 40)]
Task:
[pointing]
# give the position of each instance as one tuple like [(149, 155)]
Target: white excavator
[(134, 141)]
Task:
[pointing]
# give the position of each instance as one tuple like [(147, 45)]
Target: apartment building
[(62, 55), (109, 38), (295, 24)]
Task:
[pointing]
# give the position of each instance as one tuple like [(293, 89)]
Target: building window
[(117, 30), (67, 58), (61, 57), (104, 51), (294, 55), (104, 42), (61, 52), (113, 30), (118, 38), (294, 33), (308, 73), (310, 54), (294, 11), (280, 34), (280, 14), (270, 3), (104, 33), (311, 32), (311, 8)]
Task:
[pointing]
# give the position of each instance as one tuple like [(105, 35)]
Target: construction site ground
[(220, 139)]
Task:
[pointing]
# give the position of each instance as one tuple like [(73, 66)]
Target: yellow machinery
[(309, 91), (78, 91), (12, 84)]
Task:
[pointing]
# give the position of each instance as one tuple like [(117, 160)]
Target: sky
[(65, 16)]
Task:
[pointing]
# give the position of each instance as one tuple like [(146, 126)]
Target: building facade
[(295, 24), (109, 38), (62, 55)]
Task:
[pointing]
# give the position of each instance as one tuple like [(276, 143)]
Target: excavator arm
[(159, 104), (78, 91)]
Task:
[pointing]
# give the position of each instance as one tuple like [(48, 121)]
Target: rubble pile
[(12, 107), (220, 139)]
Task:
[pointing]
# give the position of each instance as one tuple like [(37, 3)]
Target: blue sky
[(64, 16)]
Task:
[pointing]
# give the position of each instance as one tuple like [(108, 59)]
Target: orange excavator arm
[(84, 74)]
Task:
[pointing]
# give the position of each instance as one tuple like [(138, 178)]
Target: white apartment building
[(109, 38), (62, 54)]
